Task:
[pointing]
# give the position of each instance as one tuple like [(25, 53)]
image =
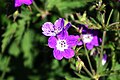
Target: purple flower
[(89, 37), (20, 2), (63, 45), (104, 59), (52, 30)]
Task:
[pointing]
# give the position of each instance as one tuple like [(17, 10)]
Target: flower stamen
[(61, 45)]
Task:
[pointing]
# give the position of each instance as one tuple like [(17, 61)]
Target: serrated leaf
[(63, 6), (26, 47), (20, 29), (8, 35)]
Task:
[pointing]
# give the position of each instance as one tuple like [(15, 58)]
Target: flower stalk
[(102, 47), (86, 52)]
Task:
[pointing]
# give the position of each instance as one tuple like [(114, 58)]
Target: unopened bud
[(79, 65), (15, 15)]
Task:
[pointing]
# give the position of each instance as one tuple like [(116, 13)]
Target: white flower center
[(103, 61), (61, 45), (87, 38)]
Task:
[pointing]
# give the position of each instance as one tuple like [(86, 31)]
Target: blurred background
[(24, 54)]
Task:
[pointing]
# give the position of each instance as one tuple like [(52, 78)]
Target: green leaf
[(114, 77), (26, 48), (4, 61), (63, 5), (8, 35), (116, 66), (20, 29), (14, 49), (110, 45)]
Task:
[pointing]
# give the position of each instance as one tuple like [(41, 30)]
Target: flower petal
[(72, 40), (89, 46), (48, 29), (20, 2), (68, 25), (47, 26), (62, 34), (80, 43), (49, 34), (52, 41), (95, 41), (104, 59), (100, 40), (68, 53), (59, 24), (57, 54), (28, 2)]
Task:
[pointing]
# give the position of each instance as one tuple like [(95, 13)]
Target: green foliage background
[(24, 54)]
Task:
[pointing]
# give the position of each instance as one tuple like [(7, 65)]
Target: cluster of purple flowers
[(63, 43), (59, 39)]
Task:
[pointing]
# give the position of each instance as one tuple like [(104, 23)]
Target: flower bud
[(79, 65)]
